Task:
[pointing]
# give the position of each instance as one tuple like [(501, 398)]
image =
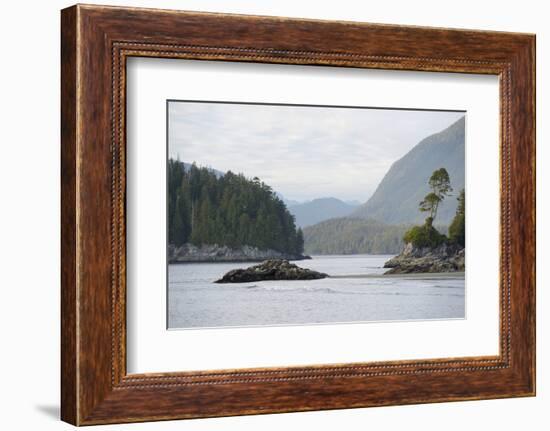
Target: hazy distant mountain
[(317, 210), (287, 202), (396, 199), (218, 174)]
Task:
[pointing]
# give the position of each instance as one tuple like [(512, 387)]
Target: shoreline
[(213, 253), (259, 260), (236, 260), (412, 276)]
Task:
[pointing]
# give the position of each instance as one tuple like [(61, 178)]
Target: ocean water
[(357, 293)]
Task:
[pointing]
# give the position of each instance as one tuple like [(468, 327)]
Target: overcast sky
[(303, 153)]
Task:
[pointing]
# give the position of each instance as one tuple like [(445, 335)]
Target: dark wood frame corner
[(95, 43)]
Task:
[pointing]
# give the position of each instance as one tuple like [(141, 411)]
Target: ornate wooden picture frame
[(96, 41)]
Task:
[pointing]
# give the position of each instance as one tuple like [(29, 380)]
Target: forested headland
[(231, 210)]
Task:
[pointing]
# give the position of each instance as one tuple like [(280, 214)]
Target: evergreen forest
[(207, 207)]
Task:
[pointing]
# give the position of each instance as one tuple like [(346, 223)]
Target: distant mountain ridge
[(396, 198), (318, 210)]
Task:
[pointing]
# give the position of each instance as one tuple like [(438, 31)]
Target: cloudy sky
[(302, 152)]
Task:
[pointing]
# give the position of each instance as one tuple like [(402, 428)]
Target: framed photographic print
[(307, 207), (265, 215)]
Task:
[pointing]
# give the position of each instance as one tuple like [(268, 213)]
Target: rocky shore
[(274, 269), (444, 258), (215, 253)]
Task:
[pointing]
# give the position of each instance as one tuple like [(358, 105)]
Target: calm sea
[(359, 293)]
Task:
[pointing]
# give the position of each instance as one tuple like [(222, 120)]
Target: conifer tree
[(457, 229), (440, 184)]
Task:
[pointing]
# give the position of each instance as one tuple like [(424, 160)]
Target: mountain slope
[(352, 236), (396, 199), (317, 210)]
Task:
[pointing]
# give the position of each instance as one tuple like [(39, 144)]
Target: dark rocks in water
[(447, 257), (273, 269), (222, 253)]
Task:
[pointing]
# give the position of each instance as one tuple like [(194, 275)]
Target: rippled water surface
[(358, 293)]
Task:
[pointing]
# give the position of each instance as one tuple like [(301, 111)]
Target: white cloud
[(302, 152)]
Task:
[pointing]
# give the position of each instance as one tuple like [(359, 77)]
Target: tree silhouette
[(440, 184)]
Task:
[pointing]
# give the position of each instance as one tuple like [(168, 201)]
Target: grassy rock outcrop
[(447, 257)]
